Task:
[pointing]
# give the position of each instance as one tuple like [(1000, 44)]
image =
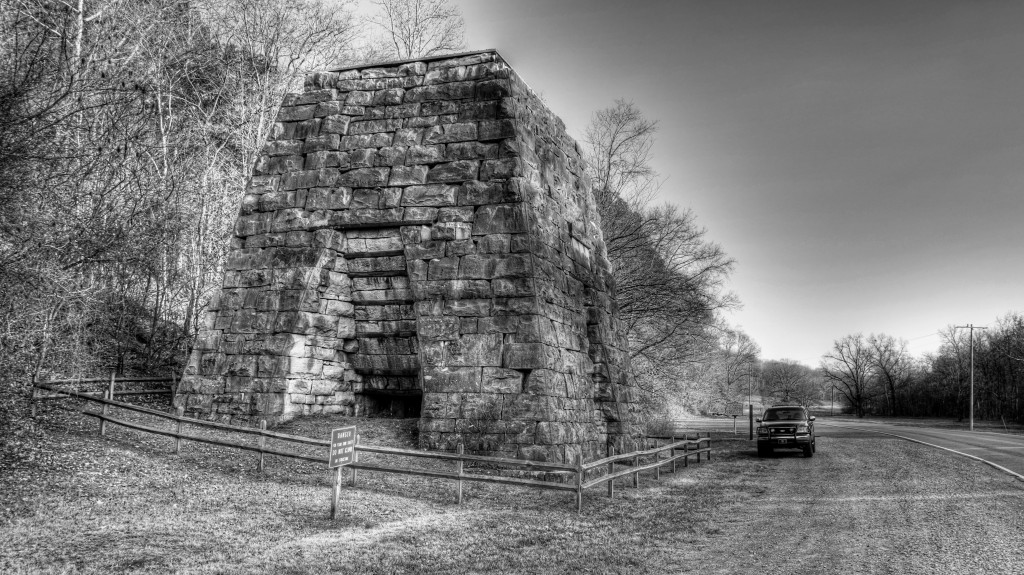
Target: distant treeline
[(881, 378)]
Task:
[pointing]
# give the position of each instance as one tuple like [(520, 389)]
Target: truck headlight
[(802, 427), (762, 431)]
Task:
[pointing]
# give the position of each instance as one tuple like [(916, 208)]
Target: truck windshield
[(784, 415)]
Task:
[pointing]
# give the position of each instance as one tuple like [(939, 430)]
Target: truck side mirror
[(811, 418), (758, 420)]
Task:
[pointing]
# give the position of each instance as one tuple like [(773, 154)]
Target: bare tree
[(276, 43), (848, 366), (669, 278), (739, 363), (955, 347), (1008, 336), (788, 381), (417, 28), (891, 366), (619, 143)]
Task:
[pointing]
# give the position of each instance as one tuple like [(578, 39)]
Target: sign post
[(343, 451), (734, 409)]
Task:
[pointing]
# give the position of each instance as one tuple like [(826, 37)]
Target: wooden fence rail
[(632, 461), (111, 381), (124, 378)]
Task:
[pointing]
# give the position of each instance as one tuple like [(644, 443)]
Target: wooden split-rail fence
[(150, 386), (663, 453)]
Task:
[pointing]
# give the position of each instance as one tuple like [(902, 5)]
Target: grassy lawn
[(997, 426), (72, 501)]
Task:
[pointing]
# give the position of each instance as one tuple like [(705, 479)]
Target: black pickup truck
[(785, 427)]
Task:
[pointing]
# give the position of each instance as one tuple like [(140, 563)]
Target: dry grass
[(74, 502), (125, 503), (997, 426)]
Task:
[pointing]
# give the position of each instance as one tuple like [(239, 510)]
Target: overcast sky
[(861, 160)]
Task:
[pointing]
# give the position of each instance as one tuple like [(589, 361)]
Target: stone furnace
[(419, 239)]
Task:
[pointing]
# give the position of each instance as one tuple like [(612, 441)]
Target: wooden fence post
[(673, 453), (263, 443), (355, 459), (174, 387), (78, 387), (579, 485), (657, 458), (336, 496), (611, 469), (698, 447), (636, 474), (177, 440), (33, 398), (686, 451), (106, 408), (458, 468), (709, 446)]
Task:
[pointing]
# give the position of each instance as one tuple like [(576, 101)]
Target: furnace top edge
[(391, 63)]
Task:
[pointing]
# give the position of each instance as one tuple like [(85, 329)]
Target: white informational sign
[(343, 446)]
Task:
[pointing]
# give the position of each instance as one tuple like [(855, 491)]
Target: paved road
[(998, 448), (1001, 449)]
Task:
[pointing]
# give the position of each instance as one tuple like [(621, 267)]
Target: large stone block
[(530, 356), (468, 307), (336, 198), (364, 177), (500, 169), (513, 287), (513, 266), (425, 250), (470, 151), (429, 195), (477, 266), (438, 328), (296, 113), (454, 172), (475, 350), (451, 231), (500, 219), (443, 269), (374, 126), (429, 154), (449, 91), (501, 380), (452, 380), (527, 407), (450, 133), (545, 382)]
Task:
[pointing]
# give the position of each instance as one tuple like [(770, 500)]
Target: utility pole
[(971, 327)]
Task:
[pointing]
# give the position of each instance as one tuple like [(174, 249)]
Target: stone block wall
[(420, 238)]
